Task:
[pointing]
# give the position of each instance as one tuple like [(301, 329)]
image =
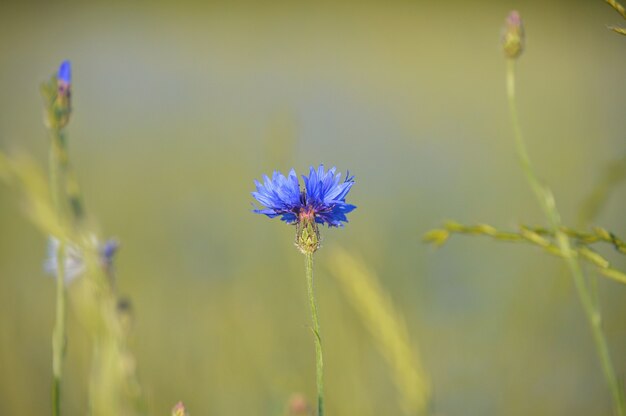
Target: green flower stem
[(58, 334), (67, 190), (65, 194), (548, 204), (316, 332)]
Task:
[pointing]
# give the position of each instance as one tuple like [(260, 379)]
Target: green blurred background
[(177, 108)]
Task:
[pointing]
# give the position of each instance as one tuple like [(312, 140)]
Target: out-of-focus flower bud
[(179, 410), (63, 99), (513, 35), (298, 406)]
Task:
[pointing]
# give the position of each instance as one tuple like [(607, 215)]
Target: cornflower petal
[(65, 72)]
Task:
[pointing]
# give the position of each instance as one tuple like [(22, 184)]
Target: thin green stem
[(58, 334), (547, 202), (68, 191), (316, 332)]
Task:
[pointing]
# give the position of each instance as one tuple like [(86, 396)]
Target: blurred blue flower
[(62, 104), (323, 197), (74, 265), (65, 72), (74, 262)]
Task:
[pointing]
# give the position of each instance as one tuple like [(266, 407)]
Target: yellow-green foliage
[(112, 386), (620, 9), (543, 238), (386, 326), (27, 179)]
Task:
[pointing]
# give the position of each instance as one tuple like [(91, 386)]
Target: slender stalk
[(58, 334), (319, 362), (548, 204)]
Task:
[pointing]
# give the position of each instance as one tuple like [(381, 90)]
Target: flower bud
[(307, 232), (62, 105), (513, 35), (107, 253), (298, 406), (179, 410)]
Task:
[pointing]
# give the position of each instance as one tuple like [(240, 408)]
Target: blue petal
[(280, 195), (65, 72), (289, 218), (325, 188)]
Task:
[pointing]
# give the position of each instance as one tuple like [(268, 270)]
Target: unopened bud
[(107, 253), (307, 232), (62, 104), (298, 406), (513, 35), (179, 410)]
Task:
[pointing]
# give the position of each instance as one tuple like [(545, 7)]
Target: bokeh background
[(179, 106)]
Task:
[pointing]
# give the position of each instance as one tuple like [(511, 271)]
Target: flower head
[(64, 80), (74, 265), (322, 200), (61, 101), (513, 35), (179, 410)]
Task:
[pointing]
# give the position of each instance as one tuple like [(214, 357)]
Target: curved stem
[(316, 332), (548, 204)]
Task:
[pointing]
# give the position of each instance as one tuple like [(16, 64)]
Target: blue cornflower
[(322, 200)]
